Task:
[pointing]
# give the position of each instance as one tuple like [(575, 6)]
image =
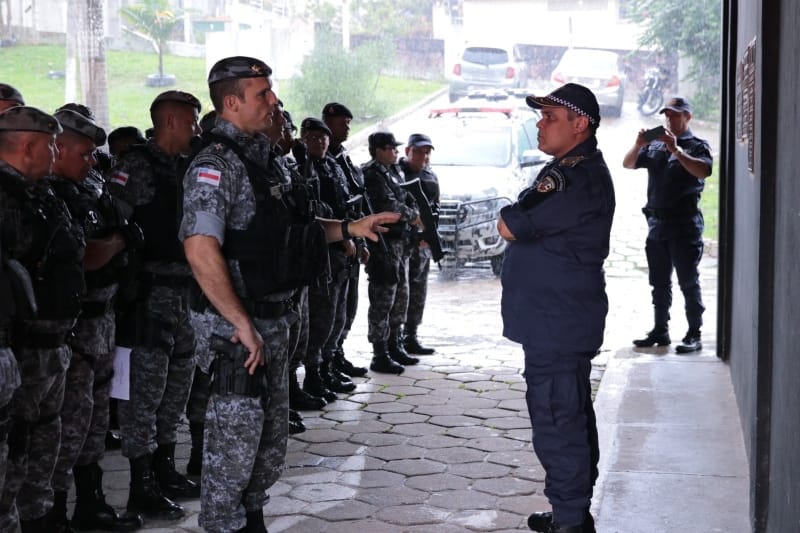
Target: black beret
[(314, 124), (72, 120), (380, 139), (176, 96), (7, 92), (78, 108), (572, 96), (238, 67), (25, 118), (334, 109)]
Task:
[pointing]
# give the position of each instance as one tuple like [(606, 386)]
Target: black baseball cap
[(572, 96), (238, 67), (379, 139), (334, 109), (419, 139), (679, 104)]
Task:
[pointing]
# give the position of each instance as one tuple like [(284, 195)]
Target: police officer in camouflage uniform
[(251, 243), (388, 269), (84, 413), (337, 117), (162, 360), (38, 232), (9, 97), (416, 164)]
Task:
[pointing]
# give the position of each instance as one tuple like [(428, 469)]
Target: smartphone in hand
[(654, 133)]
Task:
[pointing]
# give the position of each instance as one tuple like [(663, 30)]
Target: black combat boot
[(195, 465), (658, 336), (344, 366), (55, 520), (91, 509), (255, 523), (172, 483), (690, 343), (397, 352), (295, 422), (382, 361), (543, 522), (314, 385), (300, 400), (37, 525), (412, 345), (145, 497), (337, 383)]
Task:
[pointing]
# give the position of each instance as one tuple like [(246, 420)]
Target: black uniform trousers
[(559, 398)]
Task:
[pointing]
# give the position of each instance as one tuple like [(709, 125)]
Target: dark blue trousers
[(559, 399)]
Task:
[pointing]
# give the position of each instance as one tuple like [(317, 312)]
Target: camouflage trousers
[(388, 302), (352, 303), (33, 448), (161, 368), (419, 266), (327, 312), (9, 381), (198, 397), (298, 334), (245, 438)]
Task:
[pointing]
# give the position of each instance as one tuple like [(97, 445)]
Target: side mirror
[(532, 158)]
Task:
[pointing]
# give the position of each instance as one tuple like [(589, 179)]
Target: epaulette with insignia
[(571, 161)]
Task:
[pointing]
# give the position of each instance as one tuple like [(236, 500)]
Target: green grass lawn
[(27, 67), (709, 204)]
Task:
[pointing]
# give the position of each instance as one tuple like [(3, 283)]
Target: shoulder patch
[(552, 181), (120, 178), (571, 161), (209, 176)]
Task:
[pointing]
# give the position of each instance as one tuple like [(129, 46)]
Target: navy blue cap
[(572, 96), (380, 139), (677, 103), (419, 139)]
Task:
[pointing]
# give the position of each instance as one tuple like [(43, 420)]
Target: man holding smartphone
[(677, 165)]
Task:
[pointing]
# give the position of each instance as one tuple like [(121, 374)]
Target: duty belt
[(262, 309), (95, 309), (669, 213)]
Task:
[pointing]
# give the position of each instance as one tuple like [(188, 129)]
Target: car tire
[(497, 264)]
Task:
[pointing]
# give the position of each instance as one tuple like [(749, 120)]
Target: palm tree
[(156, 21)]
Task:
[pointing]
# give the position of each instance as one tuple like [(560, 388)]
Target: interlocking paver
[(372, 397), (372, 479), (415, 467), (479, 470), (391, 496), (316, 492), (412, 514), (455, 455), (415, 430), (462, 499), (388, 407), (403, 418), (378, 439), (437, 441), (438, 410), (400, 451), (405, 390), (505, 487), (494, 444), (365, 426), (334, 449), (453, 420), (322, 435), (513, 458)]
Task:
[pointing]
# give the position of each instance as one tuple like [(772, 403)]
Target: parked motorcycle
[(651, 96)]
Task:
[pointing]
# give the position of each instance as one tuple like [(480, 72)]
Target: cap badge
[(257, 70)]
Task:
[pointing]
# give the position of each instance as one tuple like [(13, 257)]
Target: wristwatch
[(345, 233)]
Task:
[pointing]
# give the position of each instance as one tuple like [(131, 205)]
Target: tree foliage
[(156, 20), (691, 29), (398, 18)]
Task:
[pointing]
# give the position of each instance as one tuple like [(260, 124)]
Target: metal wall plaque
[(746, 102)]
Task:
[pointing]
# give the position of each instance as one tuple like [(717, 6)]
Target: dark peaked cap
[(7, 92), (314, 124), (238, 67), (572, 96), (25, 118), (72, 120)]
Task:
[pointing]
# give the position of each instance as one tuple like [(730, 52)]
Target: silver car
[(599, 70), (488, 67)]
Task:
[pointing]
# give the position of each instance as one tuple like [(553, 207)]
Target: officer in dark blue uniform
[(554, 300), (677, 165)]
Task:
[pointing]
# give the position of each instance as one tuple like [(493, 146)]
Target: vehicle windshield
[(486, 56), (474, 148)]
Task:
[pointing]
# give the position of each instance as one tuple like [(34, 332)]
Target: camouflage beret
[(7, 92), (314, 124), (176, 96), (334, 109), (238, 67), (78, 108), (25, 118), (72, 120)]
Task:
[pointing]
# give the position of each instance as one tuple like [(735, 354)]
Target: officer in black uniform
[(554, 300), (677, 164), (388, 269), (39, 232), (416, 165), (337, 117)]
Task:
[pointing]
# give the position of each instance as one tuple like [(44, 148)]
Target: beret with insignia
[(78, 108), (7, 92), (238, 67), (335, 109), (72, 120), (176, 96), (25, 118), (314, 124)]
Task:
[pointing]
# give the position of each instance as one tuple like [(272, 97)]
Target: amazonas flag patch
[(120, 178), (209, 176)]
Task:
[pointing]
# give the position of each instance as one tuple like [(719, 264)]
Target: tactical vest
[(283, 247), (402, 228), (54, 251), (160, 218)]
